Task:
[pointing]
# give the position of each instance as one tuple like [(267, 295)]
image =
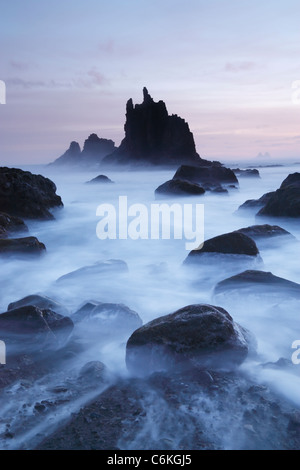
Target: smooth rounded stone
[(100, 179), (21, 246), (233, 243), (24, 194), (10, 224), (93, 371), (254, 281), (194, 336), (177, 187), (29, 329), (108, 318), (107, 267), (40, 301), (258, 232)]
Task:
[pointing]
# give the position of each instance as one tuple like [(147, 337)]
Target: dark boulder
[(213, 175), (285, 202), (29, 330), (20, 246), (24, 194), (154, 137), (253, 281), (108, 319), (41, 302), (265, 231), (10, 225), (177, 187), (100, 179), (234, 243), (194, 336), (256, 203), (249, 172)]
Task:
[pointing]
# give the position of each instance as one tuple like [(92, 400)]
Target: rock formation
[(94, 150), (152, 136)]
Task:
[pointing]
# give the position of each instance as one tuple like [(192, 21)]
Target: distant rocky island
[(152, 137)]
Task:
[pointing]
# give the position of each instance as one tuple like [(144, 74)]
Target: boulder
[(101, 268), (153, 137), (265, 231), (10, 224), (41, 302), (20, 246), (177, 187), (24, 194), (258, 282), (233, 243), (100, 179), (248, 173), (212, 176), (285, 202), (202, 336), (108, 319), (256, 203), (29, 329)]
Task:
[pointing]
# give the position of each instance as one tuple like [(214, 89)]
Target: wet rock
[(266, 283), (230, 243), (10, 225), (108, 319), (196, 335), (93, 371), (256, 203), (29, 330), (248, 173), (176, 411), (285, 202), (109, 267), (176, 187), (265, 231), (211, 177), (24, 194), (21, 246), (40, 301), (100, 179)]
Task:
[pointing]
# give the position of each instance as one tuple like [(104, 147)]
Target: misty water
[(156, 284)]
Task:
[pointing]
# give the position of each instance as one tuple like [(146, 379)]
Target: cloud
[(91, 79)]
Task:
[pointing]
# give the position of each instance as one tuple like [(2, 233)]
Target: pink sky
[(225, 67)]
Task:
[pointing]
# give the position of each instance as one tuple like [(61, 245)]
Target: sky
[(226, 66)]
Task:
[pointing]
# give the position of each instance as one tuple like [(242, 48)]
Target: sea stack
[(154, 137)]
